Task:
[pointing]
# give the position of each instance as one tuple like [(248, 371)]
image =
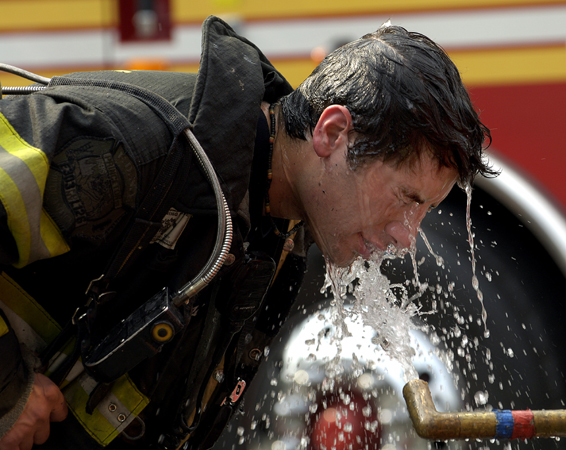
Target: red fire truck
[(512, 57)]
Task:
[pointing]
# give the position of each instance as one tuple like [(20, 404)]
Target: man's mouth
[(369, 249), (366, 249)]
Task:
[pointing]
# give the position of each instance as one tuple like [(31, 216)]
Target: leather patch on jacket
[(91, 185)]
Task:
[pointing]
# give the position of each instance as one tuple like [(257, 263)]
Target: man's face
[(356, 213)]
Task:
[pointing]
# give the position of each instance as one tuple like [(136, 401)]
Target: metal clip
[(78, 315), (93, 291)]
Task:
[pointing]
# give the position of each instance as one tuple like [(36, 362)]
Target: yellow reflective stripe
[(51, 236), (103, 425), (23, 305), (23, 173), (100, 425), (32, 324), (131, 403), (3, 327)]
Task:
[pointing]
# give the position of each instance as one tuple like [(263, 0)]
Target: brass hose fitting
[(498, 424)]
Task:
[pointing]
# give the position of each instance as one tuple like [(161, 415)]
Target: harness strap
[(147, 220), (164, 190)]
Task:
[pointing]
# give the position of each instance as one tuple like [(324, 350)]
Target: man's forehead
[(428, 184), (425, 163)]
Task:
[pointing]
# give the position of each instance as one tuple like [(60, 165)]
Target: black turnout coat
[(108, 145)]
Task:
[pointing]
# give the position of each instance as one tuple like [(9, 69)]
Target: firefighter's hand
[(46, 404)]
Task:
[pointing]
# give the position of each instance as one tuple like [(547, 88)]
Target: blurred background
[(511, 53), (512, 58)]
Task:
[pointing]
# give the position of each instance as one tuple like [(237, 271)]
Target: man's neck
[(283, 198)]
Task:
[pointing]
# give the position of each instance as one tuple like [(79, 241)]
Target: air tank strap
[(165, 188)]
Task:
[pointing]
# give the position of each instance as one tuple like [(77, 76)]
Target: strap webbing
[(165, 188)]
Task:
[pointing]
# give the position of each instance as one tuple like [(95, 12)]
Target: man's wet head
[(385, 128)]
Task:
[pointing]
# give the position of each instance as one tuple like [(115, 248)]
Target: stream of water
[(327, 362), (388, 308)]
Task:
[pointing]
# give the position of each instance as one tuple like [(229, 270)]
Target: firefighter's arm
[(16, 377), (28, 401), (45, 404)]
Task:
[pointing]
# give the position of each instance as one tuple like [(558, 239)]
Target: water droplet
[(475, 283), (278, 445), (481, 398), (301, 377)]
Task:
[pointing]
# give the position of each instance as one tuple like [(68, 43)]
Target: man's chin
[(376, 256), (339, 261)]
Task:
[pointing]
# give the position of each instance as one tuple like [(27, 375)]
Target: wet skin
[(352, 213), (357, 213)]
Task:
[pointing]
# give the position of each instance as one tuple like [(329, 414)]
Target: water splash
[(439, 259), (383, 306), (475, 281), (387, 308)]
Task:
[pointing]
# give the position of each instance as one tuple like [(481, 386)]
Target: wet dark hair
[(405, 96)]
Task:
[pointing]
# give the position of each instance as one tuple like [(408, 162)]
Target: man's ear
[(332, 130)]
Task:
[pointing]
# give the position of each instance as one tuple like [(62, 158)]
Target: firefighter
[(102, 192)]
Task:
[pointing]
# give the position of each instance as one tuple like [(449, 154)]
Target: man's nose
[(403, 234)]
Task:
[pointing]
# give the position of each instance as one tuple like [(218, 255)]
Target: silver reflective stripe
[(23, 204), (23, 173)]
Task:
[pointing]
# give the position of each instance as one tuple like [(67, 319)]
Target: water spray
[(497, 424)]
